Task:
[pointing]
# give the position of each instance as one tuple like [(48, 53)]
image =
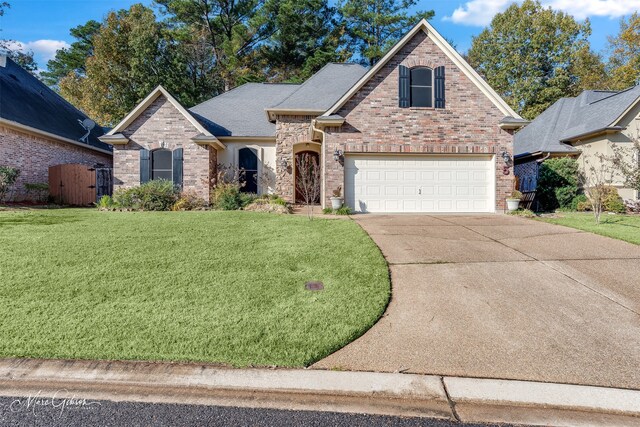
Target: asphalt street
[(47, 412)]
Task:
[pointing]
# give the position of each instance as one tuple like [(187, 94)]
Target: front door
[(314, 158)]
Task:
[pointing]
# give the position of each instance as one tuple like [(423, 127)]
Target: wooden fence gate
[(79, 185)]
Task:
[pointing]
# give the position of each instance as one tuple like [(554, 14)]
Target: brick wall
[(375, 123), (162, 125), (34, 154)]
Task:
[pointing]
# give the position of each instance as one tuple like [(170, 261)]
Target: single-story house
[(420, 131), (39, 129), (591, 123)]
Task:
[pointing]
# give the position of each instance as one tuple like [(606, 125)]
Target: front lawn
[(223, 287), (623, 227)]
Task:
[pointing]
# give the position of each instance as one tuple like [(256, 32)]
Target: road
[(45, 412)]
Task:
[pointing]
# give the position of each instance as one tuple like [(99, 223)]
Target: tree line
[(531, 55)]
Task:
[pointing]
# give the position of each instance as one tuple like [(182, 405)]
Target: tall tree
[(589, 72), (131, 56), (14, 51), (624, 62), (528, 55), (72, 59), (304, 37), (373, 26), (232, 29)]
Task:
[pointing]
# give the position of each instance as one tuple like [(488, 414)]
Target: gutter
[(605, 130), (46, 134)]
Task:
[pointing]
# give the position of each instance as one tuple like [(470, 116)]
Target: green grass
[(222, 287), (623, 227)]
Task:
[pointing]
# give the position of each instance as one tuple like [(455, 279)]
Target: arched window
[(421, 87), (161, 164), (248, 165)]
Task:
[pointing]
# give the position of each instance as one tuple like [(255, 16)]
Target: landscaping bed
[(222, 287)]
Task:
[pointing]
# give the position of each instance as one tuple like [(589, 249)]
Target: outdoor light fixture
[(337, 155), (506, 157)]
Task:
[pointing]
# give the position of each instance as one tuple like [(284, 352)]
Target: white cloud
[(42, 49), (480, 12)]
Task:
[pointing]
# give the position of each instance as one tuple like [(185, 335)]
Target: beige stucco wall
[(604, 146), (266, 161)]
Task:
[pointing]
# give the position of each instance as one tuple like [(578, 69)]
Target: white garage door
[(411, 183)]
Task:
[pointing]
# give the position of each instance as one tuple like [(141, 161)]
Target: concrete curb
[(464, 399)]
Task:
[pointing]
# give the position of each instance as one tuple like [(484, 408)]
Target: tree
[(231, 30), (596, 176), (624, 60), (304, 37), (308, 178), (529, 53), (373, 26), (72, 59), (589, 71), (132, 54), (14, 51)]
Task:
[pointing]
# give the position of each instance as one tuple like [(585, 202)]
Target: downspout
[(323, 148)]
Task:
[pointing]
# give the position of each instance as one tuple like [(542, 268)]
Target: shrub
[(557, 183), (327, 211), (226, 196), (515, 194), (155, 195), (39, 190), (612, 202), (577, 201), (8, 177), (246, 199), (526, 213), (633, 206), (105, 202), (344, 210), (188, 201)]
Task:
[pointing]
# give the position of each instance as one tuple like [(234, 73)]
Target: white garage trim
[(451, 183)]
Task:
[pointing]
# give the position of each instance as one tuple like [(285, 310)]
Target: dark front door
[(315, 159), (248, 164)]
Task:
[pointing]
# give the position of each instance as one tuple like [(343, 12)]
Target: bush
[(633, 206), (557, 183), (8, 177), (156, 195), (105, 202), (578, 202), (39, 190), (188, 201), (327, 211), (344, 210), (526, 213), (611, 201), (226, 197)]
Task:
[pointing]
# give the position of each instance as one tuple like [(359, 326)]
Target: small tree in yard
[(308, 180), (8, 177), (626, 160), (596, 177)]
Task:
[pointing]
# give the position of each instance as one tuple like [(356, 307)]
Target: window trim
[(433, 86), (152, 161)]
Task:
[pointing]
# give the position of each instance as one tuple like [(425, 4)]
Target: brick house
[(420, 131), (39, 129)]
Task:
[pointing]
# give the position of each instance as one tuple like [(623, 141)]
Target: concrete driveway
[(502, 297)]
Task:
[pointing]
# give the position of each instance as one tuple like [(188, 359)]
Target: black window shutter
[(145, 166), (177, 167), (404, 87), (439, 92)]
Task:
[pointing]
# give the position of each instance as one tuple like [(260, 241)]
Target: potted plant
[(336, 200), (513, 201)]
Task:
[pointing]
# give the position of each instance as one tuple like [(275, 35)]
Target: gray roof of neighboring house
[(324, 88), (240, 112), (26, 100), (568, 118)]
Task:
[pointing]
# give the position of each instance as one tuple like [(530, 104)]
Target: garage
[(419, 183)]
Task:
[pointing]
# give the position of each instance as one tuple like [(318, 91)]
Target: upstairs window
[(421, 81)]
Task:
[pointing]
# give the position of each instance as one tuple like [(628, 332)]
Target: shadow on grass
[(33, 218)]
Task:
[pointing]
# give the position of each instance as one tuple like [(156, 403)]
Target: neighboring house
[(589, 124), (420, 131), (38, 129)]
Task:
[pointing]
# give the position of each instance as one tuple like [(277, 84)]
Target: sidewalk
[(462, 399)]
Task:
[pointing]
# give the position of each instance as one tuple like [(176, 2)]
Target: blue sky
[(43, 25)]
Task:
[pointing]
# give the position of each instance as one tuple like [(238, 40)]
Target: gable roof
[(448, 50), (240, 112), (321, 90), (28, 103), (569, 119)]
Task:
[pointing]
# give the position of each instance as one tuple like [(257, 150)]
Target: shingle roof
[(26, 100), (569, 118), (324, 88), (240, 112)]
